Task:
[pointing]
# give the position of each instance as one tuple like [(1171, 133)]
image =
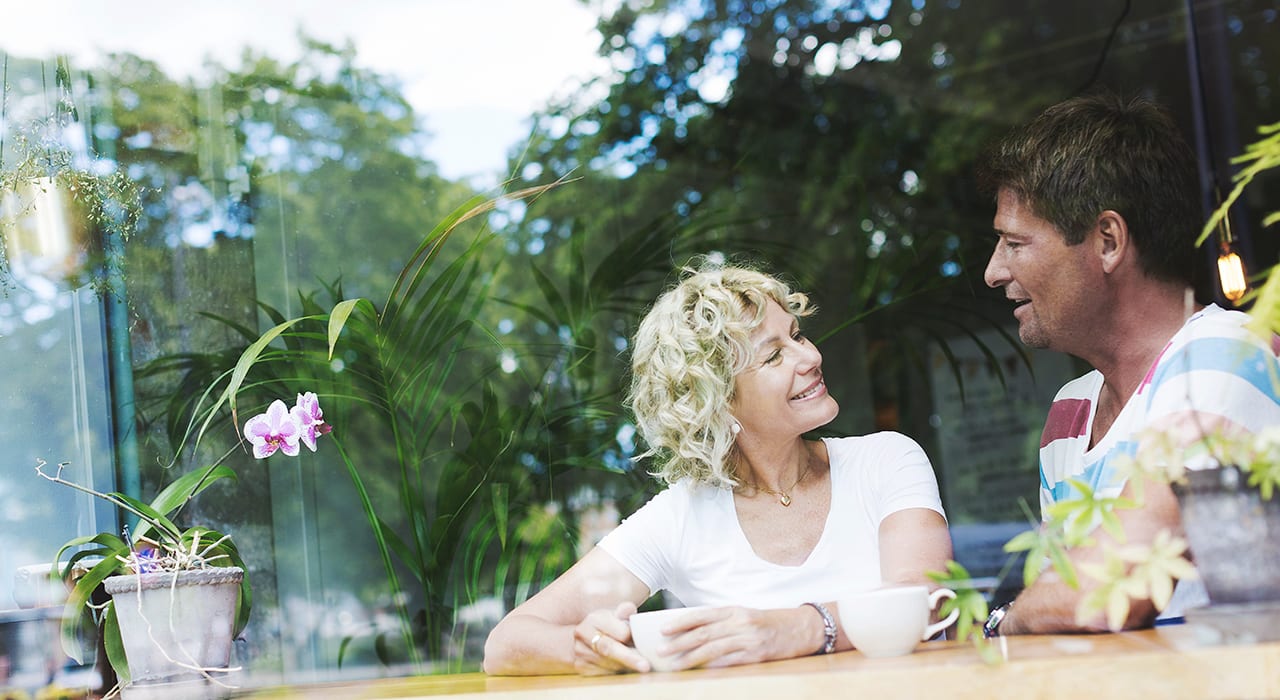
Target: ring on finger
[(595, 641)]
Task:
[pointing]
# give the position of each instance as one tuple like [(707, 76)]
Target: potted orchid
[(179, 596)]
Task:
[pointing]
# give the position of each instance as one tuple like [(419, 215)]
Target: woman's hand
[(602, 643), (732, 636)]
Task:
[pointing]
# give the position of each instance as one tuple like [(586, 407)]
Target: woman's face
[(781, 393)]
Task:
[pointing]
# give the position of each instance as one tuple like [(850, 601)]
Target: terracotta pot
[(171, 622), (1234, 536)]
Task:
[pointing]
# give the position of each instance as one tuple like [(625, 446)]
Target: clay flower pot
[(1234, 534), (176, 626)]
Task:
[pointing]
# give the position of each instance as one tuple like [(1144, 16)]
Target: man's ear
[(1113, 243)]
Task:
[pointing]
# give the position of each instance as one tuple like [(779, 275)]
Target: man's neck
[(1136, 335)]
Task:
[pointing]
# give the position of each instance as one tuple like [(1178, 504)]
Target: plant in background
[(1127, 571), (458, 474), (389, 371), (158, 544), (1259, 157), (971, 605)]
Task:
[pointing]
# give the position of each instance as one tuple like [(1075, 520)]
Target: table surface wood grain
[(1179, 661)]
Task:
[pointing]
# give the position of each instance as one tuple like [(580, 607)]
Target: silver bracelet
[(828, 629)]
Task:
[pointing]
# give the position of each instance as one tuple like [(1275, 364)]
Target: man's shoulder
[(1216, 366), (1219, 340), (1215, 321)]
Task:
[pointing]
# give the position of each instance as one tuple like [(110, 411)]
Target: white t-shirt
[(687, 539)]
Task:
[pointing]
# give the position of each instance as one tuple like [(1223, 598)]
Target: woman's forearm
[(522, 645)]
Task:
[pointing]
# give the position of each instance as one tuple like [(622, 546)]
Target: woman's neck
[(778, 470)]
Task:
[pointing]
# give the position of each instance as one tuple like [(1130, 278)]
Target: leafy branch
[(972, 607)]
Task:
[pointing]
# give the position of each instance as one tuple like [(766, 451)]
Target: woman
[(762, 524)]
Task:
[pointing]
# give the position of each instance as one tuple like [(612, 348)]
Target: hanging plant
[(60, 214), (63, 210)]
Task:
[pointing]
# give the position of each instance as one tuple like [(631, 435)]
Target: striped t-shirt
[(1212, 365)]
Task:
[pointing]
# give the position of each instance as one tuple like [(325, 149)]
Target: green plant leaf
[(401, 549), (152, 519), (114, 644), (1063, 565), (500, 511), (187, 486), (78, 598), (1023, 541), (393, 580), (1111, 525), (382, 650), (241, 370), (1117, 609), (342, 648)]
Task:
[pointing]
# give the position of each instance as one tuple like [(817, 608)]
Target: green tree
[(289, 185), (833, 142)]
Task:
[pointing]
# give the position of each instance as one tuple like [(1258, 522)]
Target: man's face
[(1049, 282)]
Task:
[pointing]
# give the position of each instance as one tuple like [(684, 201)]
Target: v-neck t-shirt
[(1213, 365)]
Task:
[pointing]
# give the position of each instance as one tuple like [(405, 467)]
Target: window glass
[(288, 162)]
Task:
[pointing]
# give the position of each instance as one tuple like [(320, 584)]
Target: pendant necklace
[(784, 497)]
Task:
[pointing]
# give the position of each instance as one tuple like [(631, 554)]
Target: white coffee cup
[(892, 621), (647, 636)]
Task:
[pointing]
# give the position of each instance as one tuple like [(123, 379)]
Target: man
[(1096, 218)]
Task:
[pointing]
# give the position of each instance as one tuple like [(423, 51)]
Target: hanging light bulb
[(1230, 267), (1231, 275)]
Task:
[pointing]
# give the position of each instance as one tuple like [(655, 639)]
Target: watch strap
[(992, 626)]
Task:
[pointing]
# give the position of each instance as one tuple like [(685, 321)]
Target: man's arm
[(1049, 605)]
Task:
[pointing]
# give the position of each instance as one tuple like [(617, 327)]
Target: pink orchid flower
[(274, 430), (310, 419)]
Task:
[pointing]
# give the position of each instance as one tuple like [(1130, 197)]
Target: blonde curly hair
[(686, 354)]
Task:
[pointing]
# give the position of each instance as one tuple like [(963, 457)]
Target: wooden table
[(1181, 661)]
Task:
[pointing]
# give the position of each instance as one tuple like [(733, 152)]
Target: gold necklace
[(783, 496)]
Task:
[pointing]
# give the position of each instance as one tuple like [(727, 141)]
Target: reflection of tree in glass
[(279, 174), (833, 144)]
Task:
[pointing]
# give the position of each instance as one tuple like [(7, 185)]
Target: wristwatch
[(828, 628), (992, 626)]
